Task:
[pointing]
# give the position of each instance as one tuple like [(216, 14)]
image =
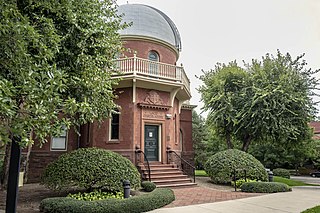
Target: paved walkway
[(299, 199), (198, 195)]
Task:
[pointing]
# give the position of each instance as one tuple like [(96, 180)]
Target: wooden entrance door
[(151, 139)]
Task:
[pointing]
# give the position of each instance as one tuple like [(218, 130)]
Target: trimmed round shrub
[(221, 166), (148, 186), (281, 173), (136, 204), (265, 187), (91, 168)]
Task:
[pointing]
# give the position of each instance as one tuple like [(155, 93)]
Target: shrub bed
[(281, 173), (143, 203), (264, 187), (148, 186), (91, 168), (96, 195), (220, 167), (241, 181)]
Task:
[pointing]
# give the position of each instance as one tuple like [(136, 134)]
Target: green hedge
[(264, 187), (220, 167), (281, 173), (143, 203), (148, 186), (315, 209), (91, 168)]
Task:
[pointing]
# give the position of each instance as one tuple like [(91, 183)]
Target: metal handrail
[(189, 164), (145, 157)]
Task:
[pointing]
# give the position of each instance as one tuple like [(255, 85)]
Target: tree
[(206, 142), (269, 100), (53, 65), (198, 136), (280, 104), (221, 92), (53, 60), (273, 155)]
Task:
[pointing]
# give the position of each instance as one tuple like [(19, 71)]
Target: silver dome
[(150, 22)]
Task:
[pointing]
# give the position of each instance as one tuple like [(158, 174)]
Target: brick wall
[(142, 48)]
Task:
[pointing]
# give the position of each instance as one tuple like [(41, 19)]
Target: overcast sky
[(224, 30)]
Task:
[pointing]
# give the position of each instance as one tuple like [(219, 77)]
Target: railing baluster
[(146, 67)]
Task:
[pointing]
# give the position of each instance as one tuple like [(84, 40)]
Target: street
[(307, 179)]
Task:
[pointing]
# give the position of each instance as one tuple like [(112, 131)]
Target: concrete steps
[(167, 175)]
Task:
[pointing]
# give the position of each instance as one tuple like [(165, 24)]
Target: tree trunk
[(246, 143), (6, 164), (228, 140), (26, 171)]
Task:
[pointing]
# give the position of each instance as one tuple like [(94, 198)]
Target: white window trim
[(66, 143)]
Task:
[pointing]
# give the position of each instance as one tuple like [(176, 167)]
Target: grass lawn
[(290, 182), (312, 210), (201, 173)]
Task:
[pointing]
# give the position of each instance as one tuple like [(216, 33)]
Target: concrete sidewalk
[(301, 198)]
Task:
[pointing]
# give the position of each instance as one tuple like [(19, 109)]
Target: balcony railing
[(150, 69)]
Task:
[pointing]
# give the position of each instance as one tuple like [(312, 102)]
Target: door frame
[(161, 136), (158, 127)]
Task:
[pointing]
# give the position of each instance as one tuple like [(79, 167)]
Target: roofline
[(173, 27)]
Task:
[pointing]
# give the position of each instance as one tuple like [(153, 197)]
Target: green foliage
[(265, 187), (315, 209), (239, 182), (269, 100), (53, 61), (290, 182), (148, 186), (281, 173), (290, 155), (96, 195), (206, 141), (201, 173), (136, 204), (220, 167), (91, 168), (221, 94)]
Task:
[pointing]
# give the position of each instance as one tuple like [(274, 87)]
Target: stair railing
[(138, 151), (182, 163)]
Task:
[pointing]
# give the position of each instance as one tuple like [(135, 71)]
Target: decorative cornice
[(188, 106), (152, 106)]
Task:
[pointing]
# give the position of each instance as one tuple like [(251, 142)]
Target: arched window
[(153, 56)]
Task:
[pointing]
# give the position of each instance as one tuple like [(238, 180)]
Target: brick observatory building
[(153, 95)]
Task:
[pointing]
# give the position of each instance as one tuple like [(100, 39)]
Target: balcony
[(153, 73)]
